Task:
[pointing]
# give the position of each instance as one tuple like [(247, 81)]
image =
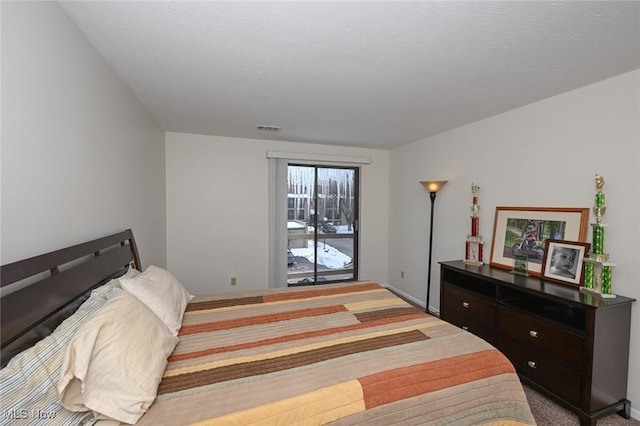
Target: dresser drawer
[(541, 336), (471, 325), (468, 304), (562, 381)]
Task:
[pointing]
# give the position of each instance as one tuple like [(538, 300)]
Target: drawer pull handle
[(465, 304), (533, 333), (531, 364), (464, 327)]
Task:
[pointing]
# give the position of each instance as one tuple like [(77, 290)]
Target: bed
[(340, 354)]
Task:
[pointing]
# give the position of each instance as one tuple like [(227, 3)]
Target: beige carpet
[(548, 413)]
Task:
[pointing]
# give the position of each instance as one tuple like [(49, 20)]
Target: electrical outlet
[(233, 280)]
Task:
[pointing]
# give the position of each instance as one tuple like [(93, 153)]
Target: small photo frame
[(564, 261), (520, 265)]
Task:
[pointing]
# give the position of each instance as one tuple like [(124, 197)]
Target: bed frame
[(41, 292)]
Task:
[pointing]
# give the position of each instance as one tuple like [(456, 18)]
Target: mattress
[(342, 354)]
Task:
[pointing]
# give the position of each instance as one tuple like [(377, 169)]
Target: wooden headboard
[(40, 292)]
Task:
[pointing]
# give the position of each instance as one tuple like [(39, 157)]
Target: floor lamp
[(433, 186)]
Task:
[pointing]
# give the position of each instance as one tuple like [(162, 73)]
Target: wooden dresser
[(569, 345)]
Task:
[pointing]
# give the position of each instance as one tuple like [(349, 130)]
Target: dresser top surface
[(535, 284)]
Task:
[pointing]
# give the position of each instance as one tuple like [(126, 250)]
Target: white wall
[(218, 210), (543, 154), (81, 157)]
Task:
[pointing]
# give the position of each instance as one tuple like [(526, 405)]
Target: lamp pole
[(433, 187), (432, 195)]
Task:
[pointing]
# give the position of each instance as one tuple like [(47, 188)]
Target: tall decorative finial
[(597, 267), (475, 207), (474, 243), (599, 207)]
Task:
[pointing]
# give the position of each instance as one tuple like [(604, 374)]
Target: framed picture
[(524, 230), (564, 261)]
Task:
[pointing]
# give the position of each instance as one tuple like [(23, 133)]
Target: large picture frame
[(524, 230), (564, 261)]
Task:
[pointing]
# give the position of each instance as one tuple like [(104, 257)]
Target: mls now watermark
[(12, 414)]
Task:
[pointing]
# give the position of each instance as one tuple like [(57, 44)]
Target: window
[(322, 219)]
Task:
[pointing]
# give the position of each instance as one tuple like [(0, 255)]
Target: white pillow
[(162, 293), (115, 361), (29, 382), (115, 283)]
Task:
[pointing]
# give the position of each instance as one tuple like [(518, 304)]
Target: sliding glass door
[(322, 224)]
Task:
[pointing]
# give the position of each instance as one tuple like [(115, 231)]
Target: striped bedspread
[(333, 354)]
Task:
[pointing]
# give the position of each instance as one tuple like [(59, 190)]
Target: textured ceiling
[(364, 73)]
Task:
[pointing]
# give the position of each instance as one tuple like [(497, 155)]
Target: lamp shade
[(433, 185)]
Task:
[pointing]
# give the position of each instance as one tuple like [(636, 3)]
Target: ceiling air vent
[(264, 128)]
